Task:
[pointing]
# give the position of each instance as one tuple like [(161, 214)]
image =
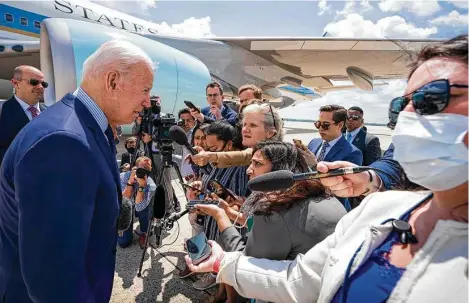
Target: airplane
[(57, 36)]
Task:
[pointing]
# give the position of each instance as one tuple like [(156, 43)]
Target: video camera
[(157, 124)]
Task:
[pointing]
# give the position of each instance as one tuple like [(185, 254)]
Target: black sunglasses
[(323, 125), (273, 118), (429, 99), (353, 117), (35, 82)]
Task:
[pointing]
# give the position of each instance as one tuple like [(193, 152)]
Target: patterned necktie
[(110, 139), (34, 111), (325, 145), (349, 137)]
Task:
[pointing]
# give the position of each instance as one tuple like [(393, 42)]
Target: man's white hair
[(118, 55)]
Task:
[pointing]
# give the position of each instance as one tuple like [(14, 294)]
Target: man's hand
[(146, 138), (216, 112), (197, 115), (209, 209), (203, 157), (133, 177), (142, 182), (352, 185), (207, 265), (194, 194), (126, 167), (310, 158)]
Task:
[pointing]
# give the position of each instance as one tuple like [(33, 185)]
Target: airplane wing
[(315, 62)]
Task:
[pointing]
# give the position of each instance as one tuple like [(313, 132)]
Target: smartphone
[(191, 106), (189, 187), (191, 204), (218, 189), (198, 248), (299, 144)]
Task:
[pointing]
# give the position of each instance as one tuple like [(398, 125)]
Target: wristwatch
[(141, 189)]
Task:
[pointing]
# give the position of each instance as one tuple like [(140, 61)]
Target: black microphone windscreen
[(178, 135), (276, 180), (125, 215), (159, 202)]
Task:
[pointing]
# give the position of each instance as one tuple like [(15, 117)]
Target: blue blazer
[(12, 120), (227, 113), (341, 151), (59, 205), (395, 177)]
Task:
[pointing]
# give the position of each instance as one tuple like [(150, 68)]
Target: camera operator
[(188, 126), (139, 187), (127, 157)]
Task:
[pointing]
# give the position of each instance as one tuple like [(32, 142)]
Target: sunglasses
[(429, 99), (273, 118), (323, 125), (35, 82), (212, 95), (353, 117)]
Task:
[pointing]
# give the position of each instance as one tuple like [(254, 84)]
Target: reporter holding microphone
[(397, 246)]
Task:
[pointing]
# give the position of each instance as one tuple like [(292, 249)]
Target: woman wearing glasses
[(397, 246), (260, 122)]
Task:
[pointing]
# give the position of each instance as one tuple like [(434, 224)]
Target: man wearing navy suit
[(23, 106), (357, 135), (60, 189), (216, 110), (332, 146)]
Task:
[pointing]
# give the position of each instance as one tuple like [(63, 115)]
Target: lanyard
[(346, 284)]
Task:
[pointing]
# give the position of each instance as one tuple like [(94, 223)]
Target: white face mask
[(431, 150)]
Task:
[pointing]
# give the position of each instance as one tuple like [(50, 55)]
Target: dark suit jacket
[(369, 145), (341, 151), (227, 113), (12, 120), (60, 196)]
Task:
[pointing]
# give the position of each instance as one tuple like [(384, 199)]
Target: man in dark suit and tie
[(216, 110), (60, 190), (28, 83), (357, 135), (332, 146)]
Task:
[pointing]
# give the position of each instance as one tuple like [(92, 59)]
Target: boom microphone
[(179, 136), (284, 179), (125, 215), (177, 216)]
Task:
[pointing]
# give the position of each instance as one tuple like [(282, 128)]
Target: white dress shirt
[(26, 106)]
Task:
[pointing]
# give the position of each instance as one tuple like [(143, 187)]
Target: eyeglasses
[(35, 82), (353, 117), (213, 95), (429, 99), (273, 117), (323, 125)]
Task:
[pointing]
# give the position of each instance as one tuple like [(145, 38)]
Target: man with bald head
[(28, 83), (60, 191)]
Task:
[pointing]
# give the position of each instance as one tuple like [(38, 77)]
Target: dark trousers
[(144, 219)]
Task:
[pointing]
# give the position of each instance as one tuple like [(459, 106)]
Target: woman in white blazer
[(397, 246)]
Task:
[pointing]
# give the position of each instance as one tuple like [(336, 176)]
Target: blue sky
[(402, 19)]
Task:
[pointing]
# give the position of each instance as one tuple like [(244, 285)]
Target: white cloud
[(192, 28), (375, 104), (323, 7), (453, 19), (355, 26), (349, 8), (366, 6), (460, 3), (419, 7)]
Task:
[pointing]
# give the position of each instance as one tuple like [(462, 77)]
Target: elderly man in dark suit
[(23, 106), (357, 135), (60, 191)]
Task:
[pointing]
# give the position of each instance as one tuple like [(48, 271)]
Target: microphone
[(125, 215), (283, 179), (179, 136), (177, 216), (159, 202)]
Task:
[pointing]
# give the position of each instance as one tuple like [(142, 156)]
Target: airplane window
[(9, 17), (37, 24), (24, 21)]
